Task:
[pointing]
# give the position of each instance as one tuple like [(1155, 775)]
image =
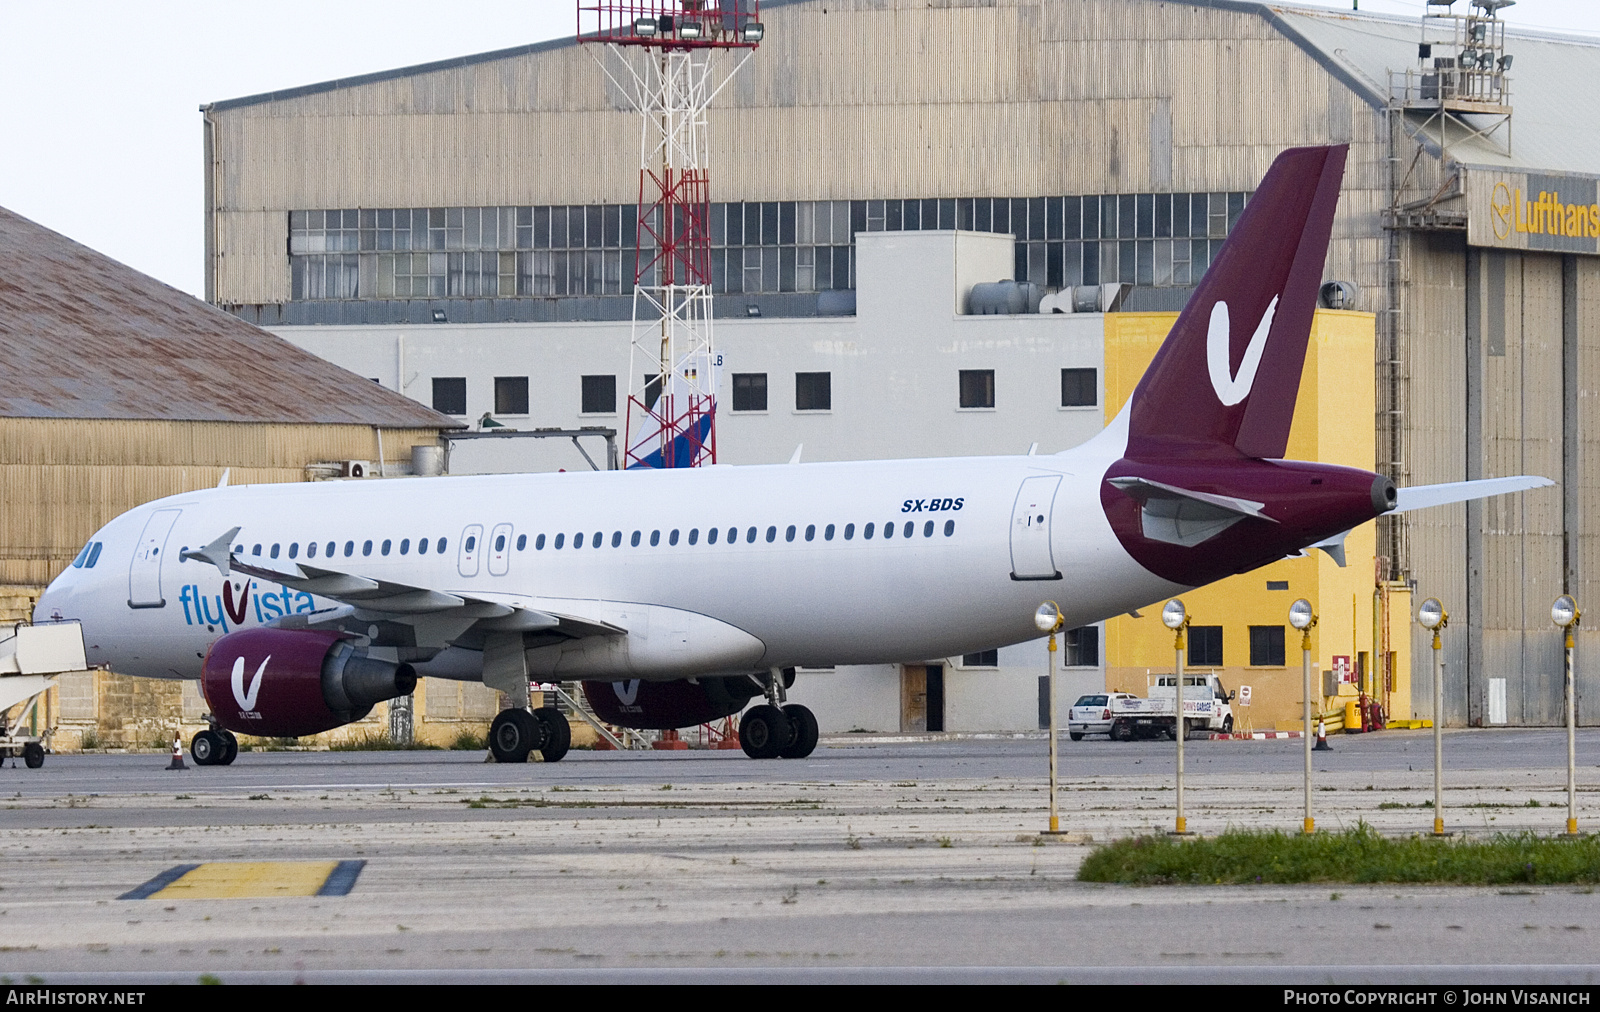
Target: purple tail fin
[(1228, 373)]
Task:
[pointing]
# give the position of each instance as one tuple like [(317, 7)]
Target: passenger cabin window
[(294, 549), (750, 536), (561, 539), (672, 538), (274, 552), (405, 545), (442, 543), (366, 548), (522, 542), (811, 532), (949, 527), (850, 532), (538, 543), (866, 533), (256, 550), (499, 543), (384, 548), (616, 539), (422, 546), (788, 535), (472, 542), (577, 540), (635, 540), (827, 533), (772, 535), (694, 535)]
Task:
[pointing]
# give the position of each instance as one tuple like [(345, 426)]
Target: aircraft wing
[(1421, 496), (372, 600)]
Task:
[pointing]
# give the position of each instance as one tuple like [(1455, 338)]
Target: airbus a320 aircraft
[(678, 596)]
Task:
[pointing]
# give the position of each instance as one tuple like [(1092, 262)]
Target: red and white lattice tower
[(661, 54)]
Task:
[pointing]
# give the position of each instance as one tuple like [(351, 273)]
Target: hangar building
[(462, 231)]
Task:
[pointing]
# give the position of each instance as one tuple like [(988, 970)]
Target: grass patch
[(1355, 855), (378, 741), (469, 740)]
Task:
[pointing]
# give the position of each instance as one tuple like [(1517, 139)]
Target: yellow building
[(1239, 626)]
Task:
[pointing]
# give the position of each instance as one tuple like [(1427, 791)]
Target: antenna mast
[(662, 55)]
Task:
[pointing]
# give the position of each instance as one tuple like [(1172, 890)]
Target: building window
[(1079, 388), (750, 391), (450, 395), (1266, 646), (981, 659), (1154, 239), (599, 395), (1205, 646), (813, 391), (977, 388), (1082, 647), (511, 395)]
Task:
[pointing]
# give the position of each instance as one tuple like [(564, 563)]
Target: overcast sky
[(100, 129)]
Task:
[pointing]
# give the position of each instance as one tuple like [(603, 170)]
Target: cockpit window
[(83, 556)]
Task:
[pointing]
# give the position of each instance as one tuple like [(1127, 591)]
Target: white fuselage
[(689, 604)]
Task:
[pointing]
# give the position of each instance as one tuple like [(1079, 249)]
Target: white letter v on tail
[(1233, 389)]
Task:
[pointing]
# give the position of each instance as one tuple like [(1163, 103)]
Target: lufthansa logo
[(1501, 211)]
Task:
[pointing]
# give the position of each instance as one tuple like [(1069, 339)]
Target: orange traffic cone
[(177, 754), (1322, 738)]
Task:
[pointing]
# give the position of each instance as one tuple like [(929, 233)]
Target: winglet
[(219, 553), (795, 457), (223, 482)]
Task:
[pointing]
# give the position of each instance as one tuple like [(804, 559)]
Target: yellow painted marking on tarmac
[(227, 880)]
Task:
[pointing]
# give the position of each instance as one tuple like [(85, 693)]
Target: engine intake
[(284, 683)]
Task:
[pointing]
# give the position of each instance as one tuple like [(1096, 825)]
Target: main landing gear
[(776, 730), (517, 732), (214, 748)]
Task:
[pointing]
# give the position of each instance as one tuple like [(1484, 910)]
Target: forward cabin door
[(144, 575), (1031, 557)]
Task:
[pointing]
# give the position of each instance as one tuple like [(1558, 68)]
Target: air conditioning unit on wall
[(356, 468)]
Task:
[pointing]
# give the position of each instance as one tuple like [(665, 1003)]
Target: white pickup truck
[(1205, 708)]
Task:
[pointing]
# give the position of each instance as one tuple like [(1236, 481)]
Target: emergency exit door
[(1031, 555)]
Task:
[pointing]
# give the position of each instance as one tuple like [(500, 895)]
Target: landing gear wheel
[(207, 748), (804, 723), (514, 734), (33, 755), (230, 750), (1075, 735), (764, 732), (558, 733)]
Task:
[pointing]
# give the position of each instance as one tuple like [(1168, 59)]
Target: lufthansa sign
[(1533, 211)]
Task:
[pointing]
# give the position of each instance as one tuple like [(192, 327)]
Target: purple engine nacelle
[(284, 683)]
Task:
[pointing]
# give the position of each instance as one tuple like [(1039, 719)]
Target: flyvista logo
[(235, 605), (1230, 388), (1510, 213), (628, 695), (246, 697)]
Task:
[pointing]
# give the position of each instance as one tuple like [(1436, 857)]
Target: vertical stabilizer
[(1227, 375)]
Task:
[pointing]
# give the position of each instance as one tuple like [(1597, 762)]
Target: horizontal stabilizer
[(1422, 496), (1181, 516)]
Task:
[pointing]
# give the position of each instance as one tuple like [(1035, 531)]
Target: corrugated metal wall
[(845, 100), (61, 480), (1485, 357)]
